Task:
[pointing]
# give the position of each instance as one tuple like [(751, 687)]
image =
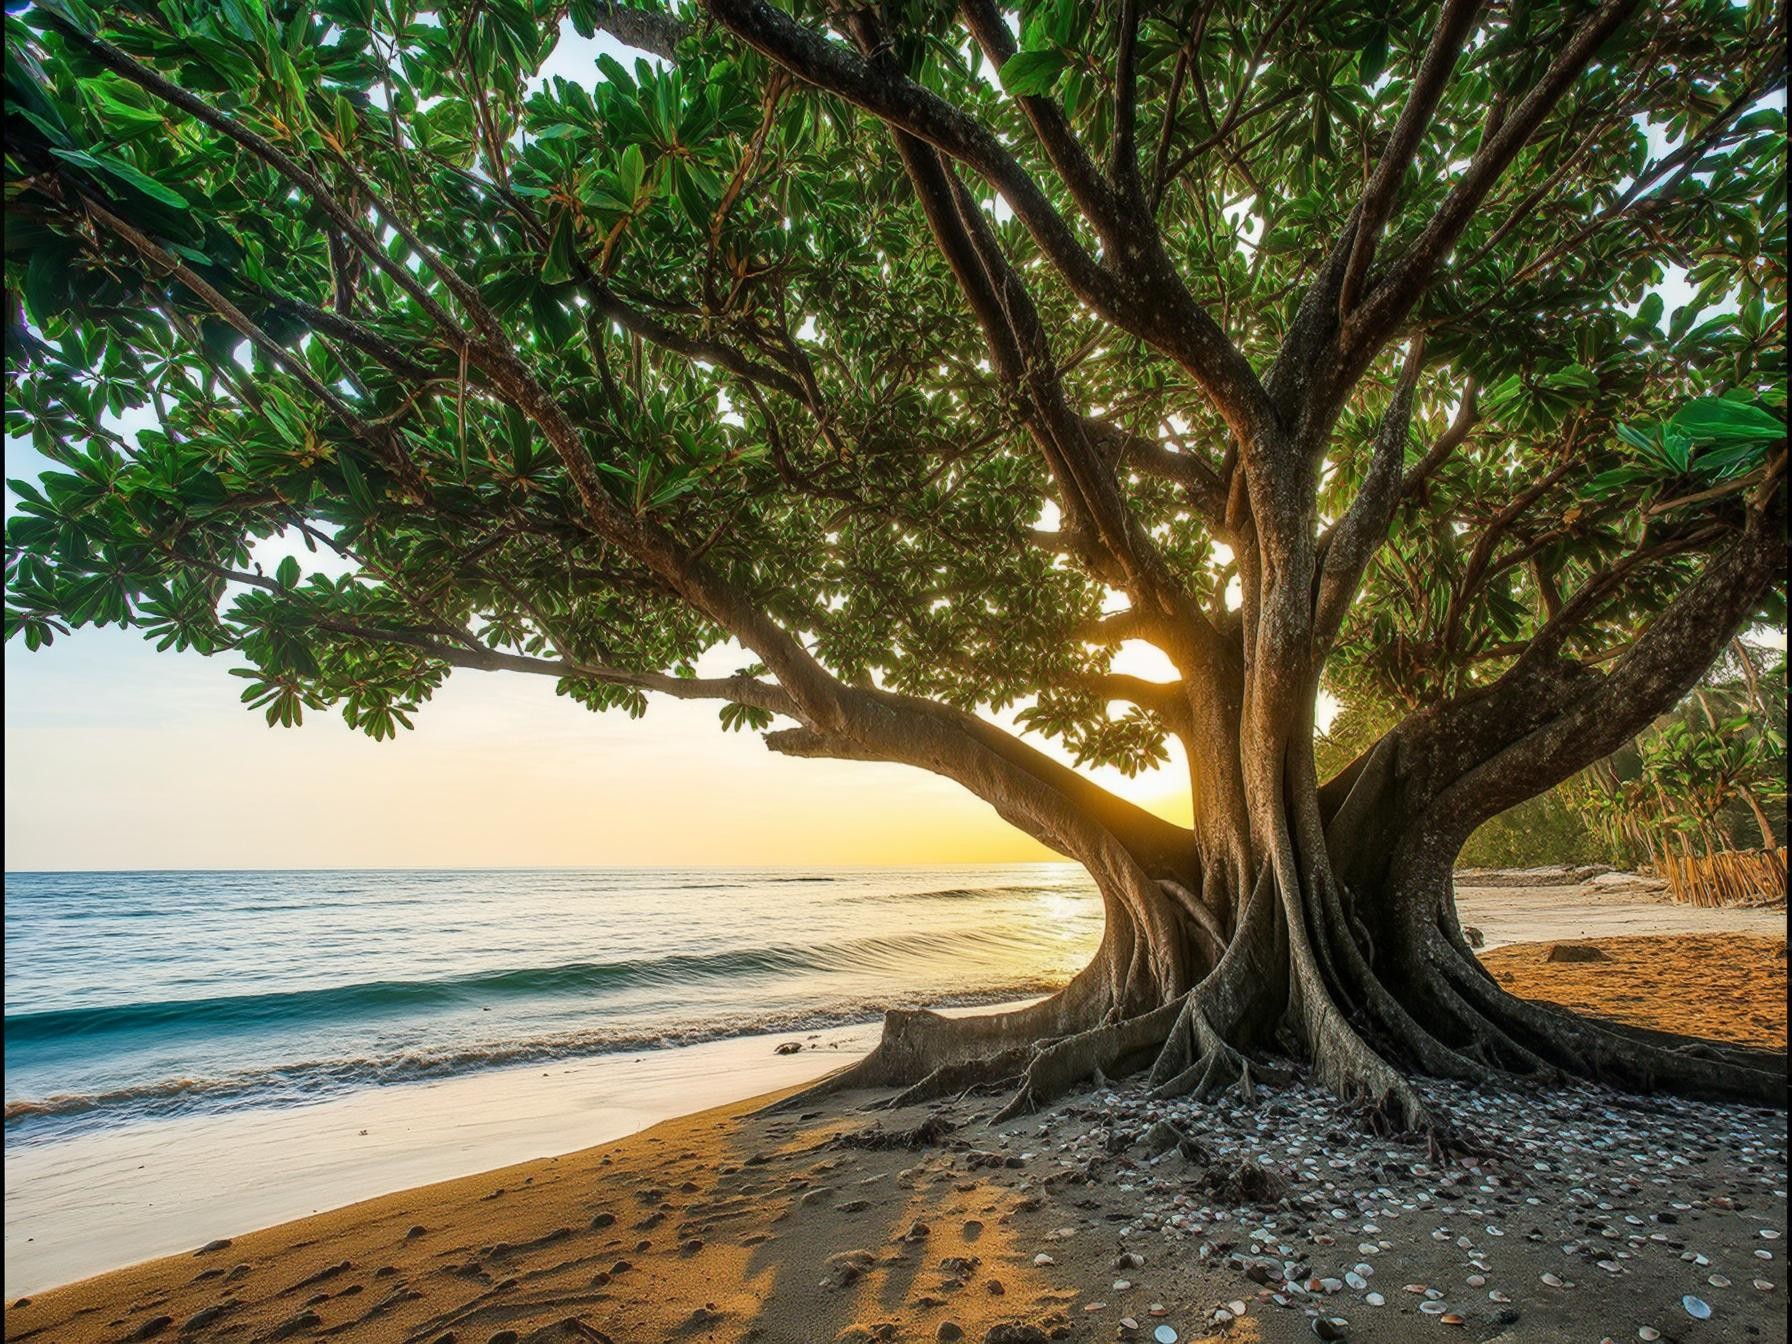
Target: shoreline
[(842, 1224), (70, 1196)]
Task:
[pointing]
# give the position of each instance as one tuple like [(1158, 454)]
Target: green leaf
[(1372, 59), (123, 172), (1032, 73), (1717, 418), (561, 261)]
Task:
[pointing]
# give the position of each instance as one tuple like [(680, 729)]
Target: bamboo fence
[(1729, 877)]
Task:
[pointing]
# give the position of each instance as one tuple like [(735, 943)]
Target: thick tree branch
[(1648, 680), (1345, 551), (646, 30)]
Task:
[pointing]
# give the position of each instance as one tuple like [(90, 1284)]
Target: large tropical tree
[(934, 354)]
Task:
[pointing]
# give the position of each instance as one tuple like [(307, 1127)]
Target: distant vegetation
[(1710, 776)]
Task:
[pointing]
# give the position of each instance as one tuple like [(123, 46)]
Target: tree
[(934, 365)]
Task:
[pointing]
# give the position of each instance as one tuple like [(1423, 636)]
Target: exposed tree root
[(916, 1043), (1299, 972), (1059, 1066), (951, 1080)]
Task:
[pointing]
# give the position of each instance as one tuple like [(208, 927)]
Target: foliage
[(723, 281), (1538, 833), (1709, 777)]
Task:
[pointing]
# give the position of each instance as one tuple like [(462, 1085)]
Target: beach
[(731, 1222)]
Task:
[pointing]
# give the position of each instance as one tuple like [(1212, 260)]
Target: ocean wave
[(894, 953), (316, 1079), (959, 894)]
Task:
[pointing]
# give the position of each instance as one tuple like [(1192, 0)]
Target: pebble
[(1696, 1307)]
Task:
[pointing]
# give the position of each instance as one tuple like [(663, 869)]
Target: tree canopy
[(726, 283), (934, 352)]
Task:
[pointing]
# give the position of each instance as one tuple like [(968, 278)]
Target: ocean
[(132, 997)]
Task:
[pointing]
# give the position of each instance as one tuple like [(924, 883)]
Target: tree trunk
[(1342, 951)]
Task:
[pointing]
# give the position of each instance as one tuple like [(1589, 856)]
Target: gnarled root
[(1060, 1065), (918, 1044), (951, 1080)]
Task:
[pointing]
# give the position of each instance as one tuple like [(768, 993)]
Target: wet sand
[(1584, 1215)]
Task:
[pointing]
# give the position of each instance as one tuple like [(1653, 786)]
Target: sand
[(1726, 987), (726, 1225)]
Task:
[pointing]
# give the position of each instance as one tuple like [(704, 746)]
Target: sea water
[(132, 997)]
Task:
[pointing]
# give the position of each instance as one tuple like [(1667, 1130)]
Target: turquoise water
[(136, 995)]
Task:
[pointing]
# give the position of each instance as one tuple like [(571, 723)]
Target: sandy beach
[(847, 1223)]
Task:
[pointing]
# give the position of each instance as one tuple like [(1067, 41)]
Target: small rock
[(1576, 952), (846, 1266), (789, 1048)]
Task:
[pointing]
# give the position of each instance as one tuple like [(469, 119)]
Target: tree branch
[(1393, 296), (1453, 28), (1345, 551), (643, 29)]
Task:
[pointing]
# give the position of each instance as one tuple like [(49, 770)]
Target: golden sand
[(1723, 986)]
